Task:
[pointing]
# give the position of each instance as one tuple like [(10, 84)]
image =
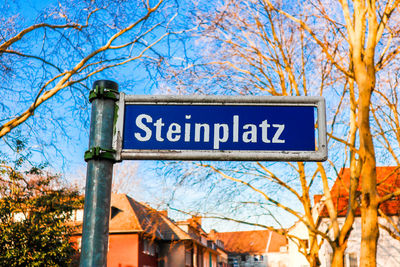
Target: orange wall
[(123, 250)]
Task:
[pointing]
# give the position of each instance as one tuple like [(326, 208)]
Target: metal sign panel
[(221, 128)]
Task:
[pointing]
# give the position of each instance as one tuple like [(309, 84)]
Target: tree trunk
[(313, 260), (338, 257), (369, 218), (365, 78)]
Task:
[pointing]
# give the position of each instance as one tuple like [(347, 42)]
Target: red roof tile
[(252, 242), (388, 179), (128, 215)]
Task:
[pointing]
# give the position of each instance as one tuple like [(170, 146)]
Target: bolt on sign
[(257, 128)]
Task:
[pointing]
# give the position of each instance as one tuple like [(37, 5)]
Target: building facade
[(388, 251), (140, 236), (261, 248)]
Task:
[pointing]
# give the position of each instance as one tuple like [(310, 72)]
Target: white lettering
[(174, 129), (264, 131), (235, 128), (159, 124), (182, 130), (143, 127), (251, 135), (225, 134), (278, 133), (206, 131), (187, 129)]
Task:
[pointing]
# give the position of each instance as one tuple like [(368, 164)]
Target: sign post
[(242, 128), (100, 160)]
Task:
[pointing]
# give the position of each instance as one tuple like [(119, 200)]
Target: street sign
[(221, 128), (255, 128)]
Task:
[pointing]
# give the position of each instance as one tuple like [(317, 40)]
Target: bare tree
[(370, 40), (259, 51), (47, 62), (335, 49), (126, 179)]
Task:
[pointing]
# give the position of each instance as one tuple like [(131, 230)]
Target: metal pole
[(100, 160)]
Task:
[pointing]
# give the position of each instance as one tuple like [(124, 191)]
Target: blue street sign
[(221, 128), (205, 127)]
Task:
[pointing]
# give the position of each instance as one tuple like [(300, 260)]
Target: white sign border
[(321, 154)]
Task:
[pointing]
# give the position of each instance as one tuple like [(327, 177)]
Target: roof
[(193, 228), (388, 178), (251, 242), (128, 215)]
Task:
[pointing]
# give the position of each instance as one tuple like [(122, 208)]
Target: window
[(114, 211), (189, 254), (352, 259), (79, 243), (77, 215), (149, 247), (258, 258)]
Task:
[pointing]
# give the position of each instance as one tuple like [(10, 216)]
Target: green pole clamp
[(100, 153), (104, 93)]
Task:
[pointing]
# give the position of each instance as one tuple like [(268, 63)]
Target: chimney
[(197, 219), (213, 234)]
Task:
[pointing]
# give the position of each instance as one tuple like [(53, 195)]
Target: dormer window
[(114, 211)]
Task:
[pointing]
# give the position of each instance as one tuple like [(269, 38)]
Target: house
[(297, 259), (254, 248), (388, 253), (140, 236), (216, 255)]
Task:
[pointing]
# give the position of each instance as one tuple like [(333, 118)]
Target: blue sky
[(72, 149), (133, 79), (150, 186)]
